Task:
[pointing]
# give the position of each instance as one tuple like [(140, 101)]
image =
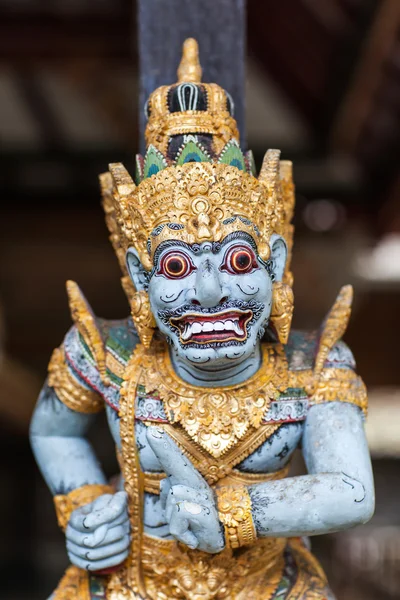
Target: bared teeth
[(186, 334), (196, 327)]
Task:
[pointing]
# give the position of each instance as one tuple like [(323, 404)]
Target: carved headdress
[(194, 183)]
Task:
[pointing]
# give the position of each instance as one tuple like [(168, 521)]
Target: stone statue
[(207, 391)]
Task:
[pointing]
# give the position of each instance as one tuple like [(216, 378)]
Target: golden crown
[(207, 107), (194, 192)]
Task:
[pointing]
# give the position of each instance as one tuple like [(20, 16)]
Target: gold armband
[(234, 509), (68, 389), (66, 504)]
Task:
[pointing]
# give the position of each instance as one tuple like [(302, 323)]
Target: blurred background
[(323, 84)]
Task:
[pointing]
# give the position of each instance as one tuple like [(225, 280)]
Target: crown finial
[(189, 68)]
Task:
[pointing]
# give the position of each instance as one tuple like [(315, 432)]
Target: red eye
[(175, 265), (239, 259)]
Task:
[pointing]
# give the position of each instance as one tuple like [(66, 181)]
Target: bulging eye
[(175, 265), (239, 260)]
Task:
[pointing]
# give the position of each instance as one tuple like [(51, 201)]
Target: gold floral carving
[(287, 198), (234, 478), (332, 385), (68, 389), (66, 504), (73, 586), (342, 385), (282, 310), (220, 124), (84, 319), (172, 571), (311, 582), (198, 197), (241, 478), (142, 317), (234, 511), (215, 121), (134, 483), (215, 418), (215, 469)]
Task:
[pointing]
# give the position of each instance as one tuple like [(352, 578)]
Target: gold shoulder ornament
[(68, 389), (84, 319), (327, 384)]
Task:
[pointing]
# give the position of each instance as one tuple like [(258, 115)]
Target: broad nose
[(209, 290)]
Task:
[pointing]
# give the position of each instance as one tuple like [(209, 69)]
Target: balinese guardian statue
[(207, 390)]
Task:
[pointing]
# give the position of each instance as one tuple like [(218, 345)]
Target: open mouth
[(215, 327)]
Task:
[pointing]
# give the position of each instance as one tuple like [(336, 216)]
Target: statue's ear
[(136, 271), (279, 254)]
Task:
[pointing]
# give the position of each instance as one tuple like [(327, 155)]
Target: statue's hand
[(188, 501), (98, 534)]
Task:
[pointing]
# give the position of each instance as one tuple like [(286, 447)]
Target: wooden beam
[(218, 26)]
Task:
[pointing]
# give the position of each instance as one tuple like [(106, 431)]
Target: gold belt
[(235, 477)]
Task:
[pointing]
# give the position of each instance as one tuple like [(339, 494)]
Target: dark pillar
[(218, 25)]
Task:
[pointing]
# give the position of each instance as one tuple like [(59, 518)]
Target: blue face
[(213, 300)]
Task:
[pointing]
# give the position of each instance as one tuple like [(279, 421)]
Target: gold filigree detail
[(211, 468), (237, 477), (68, 389), (152, 480), (342, 385), (196, 196), (162, 125), (215, 120), (66, 504), (133, 476), (282, 310), (73, 586), (215, 418), (174, 572), (84, 319), (311, 582), (334, 327), (234, 511), (142, 317), (302, 379), (332, 385)]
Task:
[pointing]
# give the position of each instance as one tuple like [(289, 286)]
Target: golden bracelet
[(66, 504), (234, 509)]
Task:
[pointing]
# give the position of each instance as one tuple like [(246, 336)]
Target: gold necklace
[(215, 418)]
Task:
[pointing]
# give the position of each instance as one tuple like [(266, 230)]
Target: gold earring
[(282, 310), (142, 316)]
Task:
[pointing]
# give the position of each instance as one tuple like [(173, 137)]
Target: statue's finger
[(88, 540), (98, 565), (175, 464), (99, 553), (99, 534), (165, 487), (169, 505), (179, 529)]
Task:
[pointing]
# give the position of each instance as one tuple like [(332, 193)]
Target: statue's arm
[(337, 493), (97, 532), (64, 455)]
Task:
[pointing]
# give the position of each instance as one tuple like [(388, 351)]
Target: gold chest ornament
[(217, 418)]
